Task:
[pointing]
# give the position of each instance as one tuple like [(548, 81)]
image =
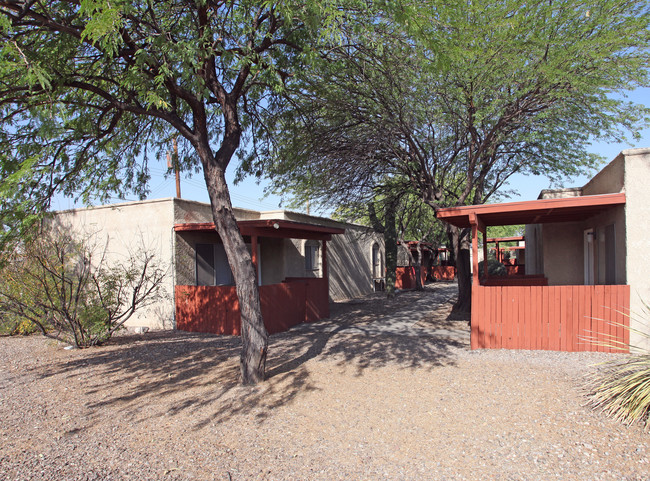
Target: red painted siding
[(215, 309), (557, 318)]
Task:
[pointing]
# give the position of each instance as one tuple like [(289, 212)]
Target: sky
[(249, 194)]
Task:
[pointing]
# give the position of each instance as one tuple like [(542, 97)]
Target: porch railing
[(556, 318), (215, 309)]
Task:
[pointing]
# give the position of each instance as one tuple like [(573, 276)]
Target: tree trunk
[(418, 269), (463, 306), (390, 240), (253, 333)]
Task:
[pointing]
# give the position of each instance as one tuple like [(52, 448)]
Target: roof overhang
[(278, 228), (570, 209)]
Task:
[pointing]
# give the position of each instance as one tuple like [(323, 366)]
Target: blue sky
[(249, 194)]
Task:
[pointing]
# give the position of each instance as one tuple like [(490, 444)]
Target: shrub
[(495, 268), (621, 389), (61, 284), (25, 328)]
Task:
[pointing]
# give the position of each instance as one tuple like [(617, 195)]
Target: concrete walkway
[(409, 313)]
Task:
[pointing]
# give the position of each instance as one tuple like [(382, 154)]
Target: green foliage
[(91, 92), (61, 284), (506, 231), (26, 328), (494, 268), (460, 96)]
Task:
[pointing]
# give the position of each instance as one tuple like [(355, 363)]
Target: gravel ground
[(382, 390)]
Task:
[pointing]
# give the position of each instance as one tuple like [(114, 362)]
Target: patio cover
[(531, 211), (281, 228), (541, 211)]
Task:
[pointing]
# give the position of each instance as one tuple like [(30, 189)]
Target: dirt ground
[(382, 390)]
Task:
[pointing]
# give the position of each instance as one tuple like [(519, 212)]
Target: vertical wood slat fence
[(405, 276), (556, 318), (215, 309), (443, 273)]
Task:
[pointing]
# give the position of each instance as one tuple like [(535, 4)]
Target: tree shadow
[(195, 377)]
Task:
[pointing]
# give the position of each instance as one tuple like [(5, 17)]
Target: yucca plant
[(621, 388)]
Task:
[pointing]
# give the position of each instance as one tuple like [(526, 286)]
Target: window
[(212, 268), (311, 255)]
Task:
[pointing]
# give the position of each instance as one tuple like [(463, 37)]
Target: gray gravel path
[(383, 390)]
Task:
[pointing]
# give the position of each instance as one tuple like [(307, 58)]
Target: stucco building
[(308, 255)]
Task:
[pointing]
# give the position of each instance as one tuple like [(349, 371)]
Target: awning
[(540, 211), (281, 228)]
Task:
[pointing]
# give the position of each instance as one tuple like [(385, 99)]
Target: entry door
[(589, 242)]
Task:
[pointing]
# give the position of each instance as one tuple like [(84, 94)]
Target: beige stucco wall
[(609, 180), (562, 244), (350, 262), (127, 227), (637, 213), (562, 253)]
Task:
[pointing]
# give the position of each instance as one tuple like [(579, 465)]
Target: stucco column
[(477, 225), (485, 254), (475, 255)]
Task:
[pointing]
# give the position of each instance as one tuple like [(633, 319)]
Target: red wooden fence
[(405, 277), (443, 273), (556, 318), (215, 309)]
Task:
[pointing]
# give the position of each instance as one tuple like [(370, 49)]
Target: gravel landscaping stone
[(381, 390)]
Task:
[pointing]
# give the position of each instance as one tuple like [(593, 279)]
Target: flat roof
[(286, 229), (542, 211)]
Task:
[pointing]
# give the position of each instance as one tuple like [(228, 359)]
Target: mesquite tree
[(459, 98), (90, 88)]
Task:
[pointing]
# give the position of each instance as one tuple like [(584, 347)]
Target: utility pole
[(173, 164)]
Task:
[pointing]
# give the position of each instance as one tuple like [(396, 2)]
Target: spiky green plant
[(621, 388)]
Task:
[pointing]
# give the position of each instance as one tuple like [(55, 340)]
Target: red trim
[(270, 228), (531, 211), (506, 239)]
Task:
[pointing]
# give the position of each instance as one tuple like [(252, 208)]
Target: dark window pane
[(204, 265)]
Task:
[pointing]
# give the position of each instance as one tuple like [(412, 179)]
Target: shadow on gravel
[(166, 374)]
